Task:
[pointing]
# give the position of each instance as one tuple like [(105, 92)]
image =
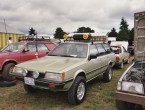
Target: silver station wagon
[(68, 68)]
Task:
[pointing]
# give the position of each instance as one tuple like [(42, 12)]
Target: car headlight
[(55, 76), (133, 87), (35, 74), (119, 86), (20, 71)]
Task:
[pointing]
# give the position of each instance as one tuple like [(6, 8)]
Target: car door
[(93, 64), (103, 56), (125, 54), (42, 50), (30, 54)]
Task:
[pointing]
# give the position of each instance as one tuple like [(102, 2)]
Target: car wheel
[(8, 68), (121, 105), (7, 83), (77, 92), (107, 76), (127, 61), (29, 89), (122, 65)]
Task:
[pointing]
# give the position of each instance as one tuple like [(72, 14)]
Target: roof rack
[(32, 38), (85, 38)]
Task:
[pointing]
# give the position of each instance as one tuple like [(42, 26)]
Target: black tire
[(7, 70), (121, 105), (7, 83), (79, 85), (29, 89), (122, 65), (107, 76)]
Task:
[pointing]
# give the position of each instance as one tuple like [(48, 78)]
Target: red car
[(22, 51)]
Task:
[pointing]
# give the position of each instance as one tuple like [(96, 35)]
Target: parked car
[(130, 94), (122, 55), (131, 50), (67, 68), (22, 51)]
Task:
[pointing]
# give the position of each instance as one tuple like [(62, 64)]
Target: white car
[(122, 55)]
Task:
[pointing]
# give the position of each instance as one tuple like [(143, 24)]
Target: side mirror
[(93, 55), (25, 50)]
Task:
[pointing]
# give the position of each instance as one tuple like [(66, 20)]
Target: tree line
[(124, 33)]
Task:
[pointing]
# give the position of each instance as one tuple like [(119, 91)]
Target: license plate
[(29, 81)]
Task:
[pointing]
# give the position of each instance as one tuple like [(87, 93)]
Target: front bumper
[(132, 98), (45, 84)]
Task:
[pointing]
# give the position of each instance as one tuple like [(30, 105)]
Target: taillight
[(117, 59)]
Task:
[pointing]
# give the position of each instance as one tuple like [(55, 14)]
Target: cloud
[(45, 16)]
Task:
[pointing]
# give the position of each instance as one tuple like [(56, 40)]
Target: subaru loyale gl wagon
[(68, 68)]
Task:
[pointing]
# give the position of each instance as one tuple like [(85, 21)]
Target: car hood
[(50, 64), (140, 50)]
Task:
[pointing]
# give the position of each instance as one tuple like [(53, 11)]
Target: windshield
[(13, 47), (70, 50)]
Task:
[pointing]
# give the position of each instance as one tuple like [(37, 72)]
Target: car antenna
[(36, 54)]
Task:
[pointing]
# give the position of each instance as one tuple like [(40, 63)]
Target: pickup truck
[(130, 94)]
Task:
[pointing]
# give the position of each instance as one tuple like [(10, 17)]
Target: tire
[(127, 61), (77, 92), (29, 89), (7, 83), (121, 66), (121, 105), (8, 68), (107, 76)]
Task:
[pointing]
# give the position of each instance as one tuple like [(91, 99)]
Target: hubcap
[(81, 91), (11, 70)]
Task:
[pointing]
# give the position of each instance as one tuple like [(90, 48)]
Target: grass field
[(100, 96)]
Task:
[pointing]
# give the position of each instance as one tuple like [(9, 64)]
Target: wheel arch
[(80, 73), (7, 62)]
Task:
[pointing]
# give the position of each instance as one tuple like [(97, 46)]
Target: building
[(6, 32)]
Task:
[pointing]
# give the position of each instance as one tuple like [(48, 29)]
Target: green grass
[(99, 96)]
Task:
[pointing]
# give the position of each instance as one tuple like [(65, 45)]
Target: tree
[(113, 33), (85, 30), (59, 33), (131, 38), (32, 31), (124, 32)]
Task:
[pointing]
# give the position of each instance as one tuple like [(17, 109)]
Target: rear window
[(116, 49)]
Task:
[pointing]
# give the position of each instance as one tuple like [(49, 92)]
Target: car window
[(14, 47), (42, 48), (100, 48), (116, 49), (31, 47), (70, 50), (124, 50), (107, 47), (93, 49)]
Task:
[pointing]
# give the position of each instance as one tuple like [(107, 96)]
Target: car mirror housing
[(93, 55), (25, 50)]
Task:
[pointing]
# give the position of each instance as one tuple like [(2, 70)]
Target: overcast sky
[(46, 15)]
